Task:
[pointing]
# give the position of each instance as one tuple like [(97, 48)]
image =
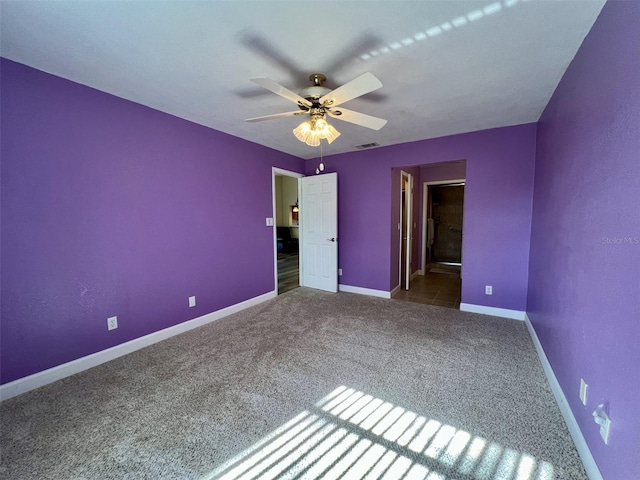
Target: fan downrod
[(317, 79)]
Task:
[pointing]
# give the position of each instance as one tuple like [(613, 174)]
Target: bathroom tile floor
[(441, 288)]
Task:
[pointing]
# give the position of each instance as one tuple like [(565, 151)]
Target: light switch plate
[(112, 323), (269, 221), (192, 302)]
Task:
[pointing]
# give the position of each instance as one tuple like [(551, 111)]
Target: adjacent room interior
[(287, 236), (211, 268), (432, 231)]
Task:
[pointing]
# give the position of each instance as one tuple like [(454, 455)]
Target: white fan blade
[(276, 115), (362, 119), (365, 83), (280, 90)]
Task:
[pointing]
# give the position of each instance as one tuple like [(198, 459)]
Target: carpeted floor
[(307, 385)]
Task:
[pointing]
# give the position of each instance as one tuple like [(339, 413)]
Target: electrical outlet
[(339, 272), (488, 290), (192, 302), (605, 430), (112, 323), (583, 391), (601, 417)]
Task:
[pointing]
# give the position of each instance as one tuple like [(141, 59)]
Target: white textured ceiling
[(446, 66)]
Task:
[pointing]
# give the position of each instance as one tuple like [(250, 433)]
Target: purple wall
[(443, 172), (584, 284), (497, 223), (111, 208)]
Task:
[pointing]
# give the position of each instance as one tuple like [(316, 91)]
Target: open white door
[(406, 229), (319, 224), (408, 238)]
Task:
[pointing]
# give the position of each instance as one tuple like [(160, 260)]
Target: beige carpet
[(308, 385)]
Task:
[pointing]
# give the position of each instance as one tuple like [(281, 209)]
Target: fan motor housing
[(314, 93), (317, 90)]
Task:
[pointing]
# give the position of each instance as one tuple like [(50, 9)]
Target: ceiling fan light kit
[(313, 130), (318, 101)]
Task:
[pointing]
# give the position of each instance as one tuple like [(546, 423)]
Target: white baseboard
[(40, 379), (578, 439), (395, 290), (493, 311), (364, 291)]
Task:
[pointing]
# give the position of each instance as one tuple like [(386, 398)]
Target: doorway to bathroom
[(447, 203), (435, 234)]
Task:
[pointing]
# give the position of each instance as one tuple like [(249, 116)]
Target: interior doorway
[(433, 279), (406, 216), (447, 203), (442, 217), (286, 215)]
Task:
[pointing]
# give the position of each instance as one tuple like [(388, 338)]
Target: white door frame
[(285, 173), (425, 202), (408, 195)]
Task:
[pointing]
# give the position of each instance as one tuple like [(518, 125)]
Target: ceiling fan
[(319, 102)]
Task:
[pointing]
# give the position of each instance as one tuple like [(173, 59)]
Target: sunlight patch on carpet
[(350, 434)]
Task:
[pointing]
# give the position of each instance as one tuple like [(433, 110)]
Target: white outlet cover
[(605, 428), (112, 323), (601, 417), (339, 272), (488, 290), (583, 391), (192, 301), (269, 221)]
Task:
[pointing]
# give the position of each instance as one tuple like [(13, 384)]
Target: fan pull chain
[(321, 165)]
